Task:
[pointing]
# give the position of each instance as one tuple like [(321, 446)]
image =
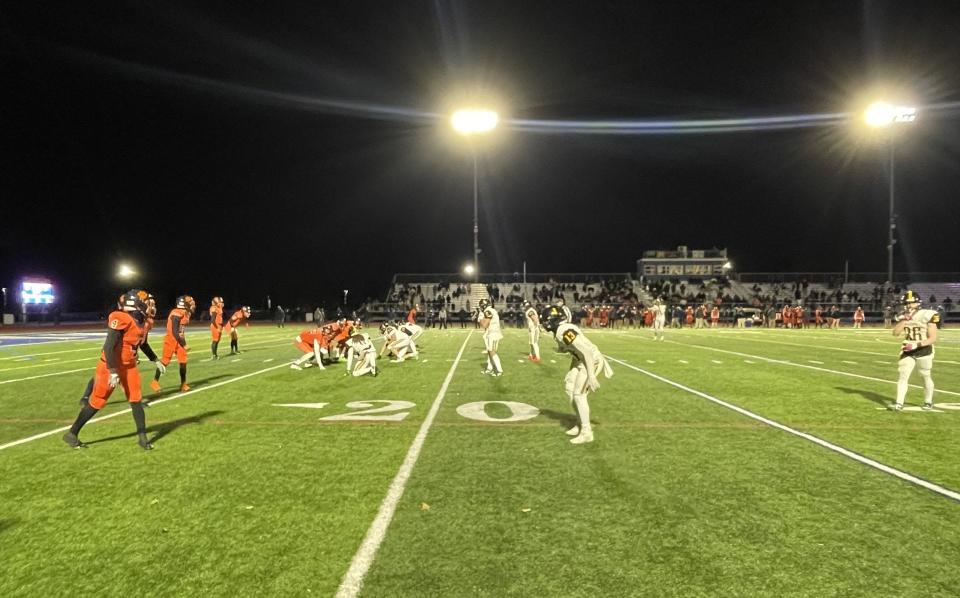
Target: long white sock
[(496, 363), (583, 410), (927, 386), (489, 363), (905, 368), (536, 351), (350, 353)]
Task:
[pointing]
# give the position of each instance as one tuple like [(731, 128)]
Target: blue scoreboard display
[(34, 291)]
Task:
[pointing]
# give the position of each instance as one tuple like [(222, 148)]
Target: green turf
[(677, 496)]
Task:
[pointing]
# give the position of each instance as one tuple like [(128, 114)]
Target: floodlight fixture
[(125, 272), (474, 121), (883, 114), (728, 266), (469, 269)]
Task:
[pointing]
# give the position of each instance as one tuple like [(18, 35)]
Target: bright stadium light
[(469, 269), (883, 114), (125, 272), (472, 121), (728, 266)]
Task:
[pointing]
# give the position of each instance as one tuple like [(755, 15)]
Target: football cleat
[(71, 439), (574, 431), (896, 407), (294, 366), (154, 386), (927, 406), (582, 438), (184, 387), (144, 443)]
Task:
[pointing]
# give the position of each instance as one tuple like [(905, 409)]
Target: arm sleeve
[(175, 325), (110, 346), (148, 351)]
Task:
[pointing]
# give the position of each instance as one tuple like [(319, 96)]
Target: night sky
[(243, 148)]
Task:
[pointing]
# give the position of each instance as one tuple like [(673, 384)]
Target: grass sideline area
[(678, 496)]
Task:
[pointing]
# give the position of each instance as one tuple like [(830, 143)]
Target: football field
[(726, 463)]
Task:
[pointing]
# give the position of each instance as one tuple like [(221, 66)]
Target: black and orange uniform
[(118, 366), (216, 325), (818, 317), (174, 341), (412, 315), (239, 317)]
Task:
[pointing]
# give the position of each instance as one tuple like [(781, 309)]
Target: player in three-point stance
[(533, 331), (314, 345), (174, 342), (489, 321), (398, 343), (361, 355), (118, 365), (585, 366), (659, 318), (239, 317), (216, 325), (918, 329)]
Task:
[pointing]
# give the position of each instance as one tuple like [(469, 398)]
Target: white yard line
[(809, 367), (41, 365), (352, 581), (152, 404), (819, 441), (43, 376)]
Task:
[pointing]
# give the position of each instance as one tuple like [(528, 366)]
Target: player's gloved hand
[(593, 384), (909, 346), (161, 368), (113, 380)]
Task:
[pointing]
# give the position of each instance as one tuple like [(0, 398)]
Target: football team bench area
[(726, 462)]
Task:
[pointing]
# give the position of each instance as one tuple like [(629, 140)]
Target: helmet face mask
[(246, 310), (909, 302), (483, 304), (550, 318), (134, 300)]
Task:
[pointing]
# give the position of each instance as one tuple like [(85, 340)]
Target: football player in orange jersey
[(239, 317), (118, 365), (174, 342), (216, 324), (310, 342)]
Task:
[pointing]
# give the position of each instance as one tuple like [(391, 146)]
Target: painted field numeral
[(370, 413), (518, 411)]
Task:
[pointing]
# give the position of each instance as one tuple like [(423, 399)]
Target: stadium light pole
[(881, 115), (470, 123)]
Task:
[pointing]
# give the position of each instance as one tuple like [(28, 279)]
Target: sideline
[(352, 581), (819, 441)]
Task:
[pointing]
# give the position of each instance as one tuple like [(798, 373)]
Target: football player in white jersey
[(918, 329), (489, 321), (360, 349), (562, 306), (533, 331), (659, 318), (397, 342), (585, 366), (413, 330)]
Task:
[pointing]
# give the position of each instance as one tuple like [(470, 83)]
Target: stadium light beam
[(470, 122), (883, 115)]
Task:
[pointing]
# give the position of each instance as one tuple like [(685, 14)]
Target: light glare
[(882, 114), (471, 122), (125, 271), (468, 269)]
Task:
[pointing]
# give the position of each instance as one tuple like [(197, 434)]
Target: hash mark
[(716, 361)]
